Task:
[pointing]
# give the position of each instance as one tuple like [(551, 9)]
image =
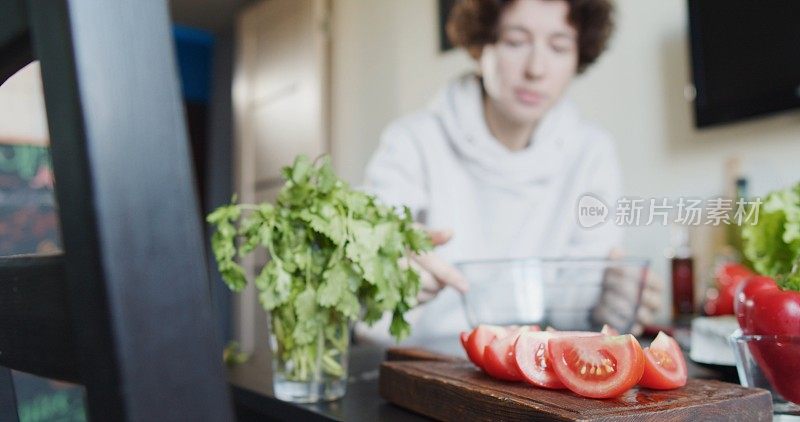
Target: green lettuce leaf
[(773, 243)]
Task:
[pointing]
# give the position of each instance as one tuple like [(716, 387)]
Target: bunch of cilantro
[(773, 243), (335, 256)]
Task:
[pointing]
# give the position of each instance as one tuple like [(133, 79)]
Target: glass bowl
[(575, 294), (771, 363)]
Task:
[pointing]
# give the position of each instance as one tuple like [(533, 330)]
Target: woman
[(501, 157)]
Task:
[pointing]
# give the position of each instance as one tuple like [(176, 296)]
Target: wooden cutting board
[(451, 389)]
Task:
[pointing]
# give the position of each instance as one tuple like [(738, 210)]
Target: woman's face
[(533, 61)]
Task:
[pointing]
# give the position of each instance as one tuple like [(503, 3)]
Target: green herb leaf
[(305, 306)]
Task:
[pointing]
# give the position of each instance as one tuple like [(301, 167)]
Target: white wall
[(22, 116), (385, 63)]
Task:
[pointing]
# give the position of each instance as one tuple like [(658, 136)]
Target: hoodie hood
[(459, 107)]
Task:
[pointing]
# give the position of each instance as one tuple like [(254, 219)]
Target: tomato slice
[(664, 365), (574, 333), (598, 366), (498, 357), (464, 337), (609, 330), (530, 356), (479, 339)]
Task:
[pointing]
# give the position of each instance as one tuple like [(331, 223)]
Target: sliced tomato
[(464, 336), (574, 333), (530, 356), (609, 330), (664, 365), (479, 339), (597, 366), (498, 357), (532, 360)]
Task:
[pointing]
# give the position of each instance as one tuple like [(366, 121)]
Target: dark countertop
[(252, 391)]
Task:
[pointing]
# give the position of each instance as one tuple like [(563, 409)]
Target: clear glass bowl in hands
[(773, 363), (576, 294)]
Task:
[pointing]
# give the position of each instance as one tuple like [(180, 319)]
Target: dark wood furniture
[(125, 310)]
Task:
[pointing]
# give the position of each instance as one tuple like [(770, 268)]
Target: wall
[(386, 63), (22, 116)]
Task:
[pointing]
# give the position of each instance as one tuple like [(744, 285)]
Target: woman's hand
[(436, 273)]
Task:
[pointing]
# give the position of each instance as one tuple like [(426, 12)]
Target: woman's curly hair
[(472, 24)]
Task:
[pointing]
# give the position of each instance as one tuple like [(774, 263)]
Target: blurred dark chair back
[(125, 310)]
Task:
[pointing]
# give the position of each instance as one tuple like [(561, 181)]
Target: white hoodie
[(444, 164)]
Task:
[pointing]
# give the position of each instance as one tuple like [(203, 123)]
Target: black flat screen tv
[(745, 58)]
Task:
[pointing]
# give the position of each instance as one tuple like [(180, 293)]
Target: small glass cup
[(772, 363), (317, 372)]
